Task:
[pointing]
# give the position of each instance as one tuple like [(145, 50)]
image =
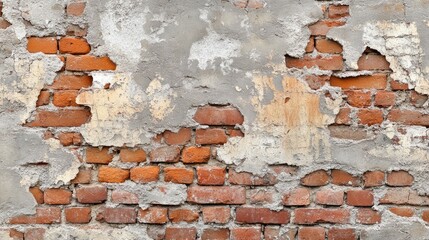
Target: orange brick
[(209, 175), (338, 11), (402, 211), (216, 214), (334, 62), (74, 45), (181, 137), (396, 85), (153, 215), (408, 117), (370, 116), (57, 196), (43, 99), (112, 174), (210, 136), (373, 179), (70, 138), (97, 155), (183, 215), (358, 99), (211, 115), (215, 233), (83, 176), (384, 99), (71, 82), (132, 155), (373, 62), (178, 175), (37, 194), (46, 45), (145, 174), (196, 154), (78, 214), (316, 216), (399, 179), (360, 198), (316, 178), (340, 177), (310, 45), (328, 46), (66, 98), (425, 215), (89, 63), (60, 118), (75, 8), (375, 81)]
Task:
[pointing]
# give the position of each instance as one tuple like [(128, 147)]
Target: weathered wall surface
[(239, 119)]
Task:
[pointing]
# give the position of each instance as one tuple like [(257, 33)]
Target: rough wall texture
[(214, 119)]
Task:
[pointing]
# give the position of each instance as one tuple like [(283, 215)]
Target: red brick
[(368, 216), (418, 100), (97, 155), (261, 196), (211, 175), (343, 116), (145, 174), (313, 216), (373, 62), (370, 116), (234, 133), (70, 138), (330, 197), (341, 234), (181, 137), (315, 179), (402, 211), (216, 195), (124, 197), (215, 233), (112, 174), (37, 194), (360, 198), (396, 85), (57, 196), (375, 81), (91, 194), (78, 214), (66, 98), (180, 233), (384, 99), (322, 27), (75, 8), (210, 136), (311, 233), (343, 178), (261, 215), (246, 233), (373, 178), (401, 196), (118, 215), (399, 179), (168, 154), (83, 176), (297, 197), (310, 45), (4, 24), (211, 115), (47, 215), (34, 234), (46, 45), (89, 63), (74, 45), (358, 99), (71, 82), (178, 175), (153, 215), (60, 118), (196, 154), (219, 215), (43, 99), (408, 117), (347, 132), (13, 233), (338, 11), (182, 215), (132, 155), (248, 179), (334, 62), (316, 82), (328, 46), (425, 215)]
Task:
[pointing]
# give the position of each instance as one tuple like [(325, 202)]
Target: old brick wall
[(312, 147)]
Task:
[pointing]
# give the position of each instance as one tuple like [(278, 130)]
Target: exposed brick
[(89, 63), (215, 233), (340, 177), (310, 45), (370, 116), (401, 196), (57, 196), (4, 24), (82, 177), (315, 179), (373, 62), (60, 118), (124, 197), (234, 133), (408, 117), (343, 116), (65, 98), (346, 132), (373, 178), (168, 154), (13, 233), (210, 115), (316, 82), (399, 179), (46, 45), (397, 86), (75, 30), (178, 175), (153, 215), (360, 198), (34, 234), (341, 234), (338, 11), (261, 215), (297, 197), (37, 194), (132, 155), (112, 174), (43, 98), (245, 178), (91, 194), (216, 214), (180, 233), (418, 100), (311, 233), (375, 81), (402, 211), (144, 174), (328, 46), (246, 233), (261, 196), (211, 175), (313, 216), (182, 215), (71, 82), (78, 214), (368, 216), (322, 27), (47, 215), (425, 215), (273, 233), (181, 137), (70, 138), (216, 195), (385, 99), (196, 154), (118, 215), (75, 8), (97, 155), (334, 62), (156, 232), (74, 45), (358, 98), (330, 197), (210, 136)]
